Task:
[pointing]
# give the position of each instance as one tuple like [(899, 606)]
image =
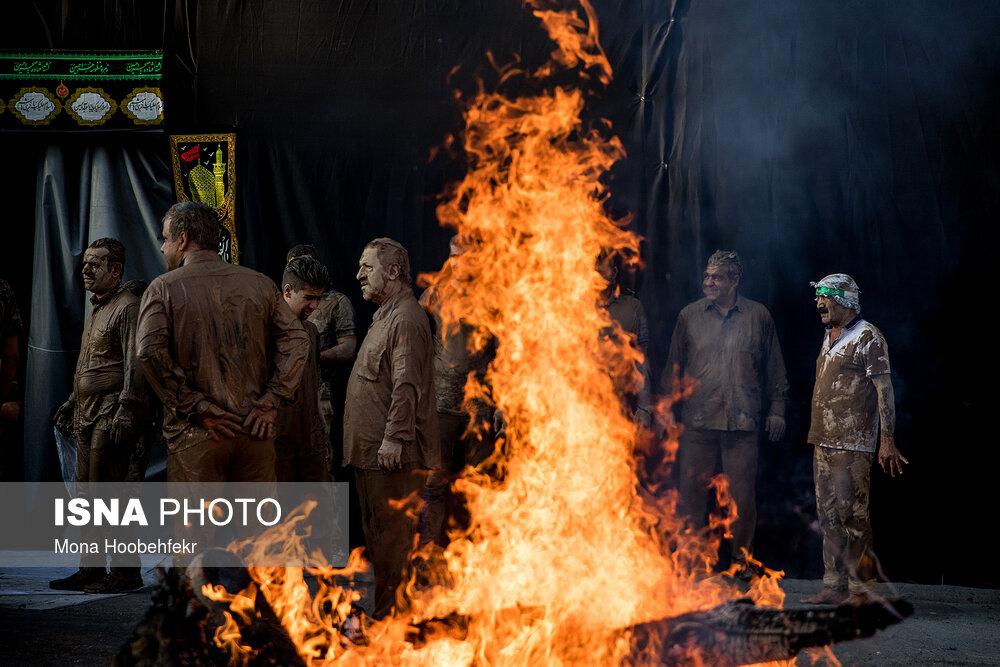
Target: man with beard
[(728, 345), (301, 445), (105, 410), (853, 409), (390, 418), (221, 349)]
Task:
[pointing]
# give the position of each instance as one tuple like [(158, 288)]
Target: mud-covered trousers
[(101, 459), (696, 457), (843, 482), (390, 528)]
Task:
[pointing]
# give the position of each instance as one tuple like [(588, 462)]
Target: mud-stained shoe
[(78, 580), (114, 583), (826, 596)]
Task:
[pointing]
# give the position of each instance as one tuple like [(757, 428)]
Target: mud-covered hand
[(63, 418), (123, 423), (390, 455), (260, 422), (218, 422), (775, 427), (889, 457)]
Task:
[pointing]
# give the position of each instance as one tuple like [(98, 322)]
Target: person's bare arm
[(888, 456)]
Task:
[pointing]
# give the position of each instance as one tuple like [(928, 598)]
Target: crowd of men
[(241, 375)]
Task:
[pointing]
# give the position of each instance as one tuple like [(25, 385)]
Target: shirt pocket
[(369, 363), (102, 341)]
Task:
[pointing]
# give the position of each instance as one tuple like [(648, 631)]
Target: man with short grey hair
[(390, 418), (728, 345), (223, 352)]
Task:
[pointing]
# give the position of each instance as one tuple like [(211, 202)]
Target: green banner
[(60, 91)]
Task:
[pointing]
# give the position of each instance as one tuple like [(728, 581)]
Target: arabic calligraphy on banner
[(58, 91), (204, 167)]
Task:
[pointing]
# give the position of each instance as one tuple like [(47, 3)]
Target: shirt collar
[(850, 325), (736, 305), (390, 304), (201, 255), (97, 300)]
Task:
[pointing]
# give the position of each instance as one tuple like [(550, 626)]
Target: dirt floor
[(950, 625)]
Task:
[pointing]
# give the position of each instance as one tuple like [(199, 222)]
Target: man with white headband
[(853, 410)]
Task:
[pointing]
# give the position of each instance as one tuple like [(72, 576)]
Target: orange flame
[(566, 551)]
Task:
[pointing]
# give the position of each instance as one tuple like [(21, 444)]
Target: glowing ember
[(564, 554)]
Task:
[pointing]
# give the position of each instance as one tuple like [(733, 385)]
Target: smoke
[(815, 137)]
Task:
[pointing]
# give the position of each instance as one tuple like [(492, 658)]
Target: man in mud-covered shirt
[(390, 417), (853, 413), (223, 352), (334, 318), (106, 408), (627, 311), (455, 358), (301, 444), (728, 345)]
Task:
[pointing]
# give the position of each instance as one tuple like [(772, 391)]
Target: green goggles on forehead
[(822, 290)]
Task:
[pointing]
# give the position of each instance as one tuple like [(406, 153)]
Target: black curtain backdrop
[(814, 137)]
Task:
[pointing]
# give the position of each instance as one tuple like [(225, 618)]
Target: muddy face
[(373, 276), (99, 276), (717, 285), (831, 312), (304, 301)]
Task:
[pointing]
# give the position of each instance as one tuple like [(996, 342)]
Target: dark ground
[(950, 625)]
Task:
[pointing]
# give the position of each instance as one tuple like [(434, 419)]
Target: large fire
[(567, 550)]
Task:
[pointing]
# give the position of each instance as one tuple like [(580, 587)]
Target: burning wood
[(180, 626), (735, 633)]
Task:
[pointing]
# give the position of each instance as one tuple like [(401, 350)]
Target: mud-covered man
[(390, 418), (627, 311), (105, 410), (853, 413), (223, 352), (455, 358), (334, 318), (301, 444), (727, 343)]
